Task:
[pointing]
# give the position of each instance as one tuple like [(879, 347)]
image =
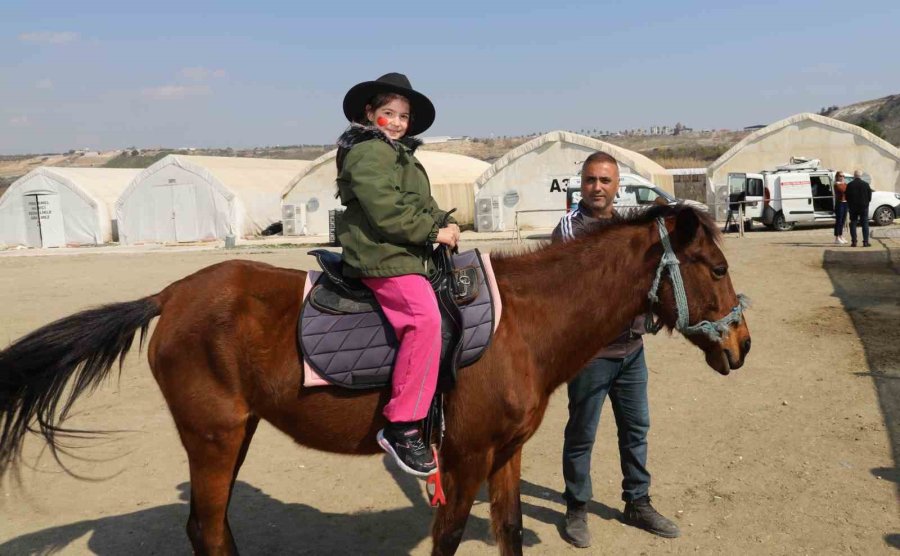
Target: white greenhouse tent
[(310, 196), (839, 145), (201, 198), (527, 185), (55, 207)]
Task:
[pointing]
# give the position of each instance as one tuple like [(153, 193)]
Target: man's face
[(599, 184)]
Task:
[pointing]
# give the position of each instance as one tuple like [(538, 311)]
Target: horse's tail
[(78, 350)]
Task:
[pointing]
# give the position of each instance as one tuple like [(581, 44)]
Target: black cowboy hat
[(358, 97)]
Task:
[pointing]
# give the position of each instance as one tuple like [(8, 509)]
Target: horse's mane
[(640, 217)]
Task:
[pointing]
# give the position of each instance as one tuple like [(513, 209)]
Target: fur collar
[(357, 133)]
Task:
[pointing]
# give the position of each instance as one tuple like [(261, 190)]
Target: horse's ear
[(686, 225)]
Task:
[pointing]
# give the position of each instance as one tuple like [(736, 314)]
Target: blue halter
[(715, 331)]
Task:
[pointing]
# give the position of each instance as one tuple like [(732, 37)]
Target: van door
[(796, 197), (754, 202), (823, 195)]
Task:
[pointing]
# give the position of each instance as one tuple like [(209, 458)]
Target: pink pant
[(410, 306)]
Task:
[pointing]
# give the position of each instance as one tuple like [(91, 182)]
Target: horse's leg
[(506, 504), (215, 456), (461, 480)]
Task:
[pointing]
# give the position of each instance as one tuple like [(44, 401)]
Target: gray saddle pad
[(358, 350)]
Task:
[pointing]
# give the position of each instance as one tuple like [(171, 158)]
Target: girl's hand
[(449, 235)]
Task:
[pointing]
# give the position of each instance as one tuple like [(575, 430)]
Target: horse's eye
[(720, 271)]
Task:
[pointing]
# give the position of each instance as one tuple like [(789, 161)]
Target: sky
[(105, 75)]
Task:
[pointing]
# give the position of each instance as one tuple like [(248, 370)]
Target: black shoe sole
[(657, 532), (573, 542)]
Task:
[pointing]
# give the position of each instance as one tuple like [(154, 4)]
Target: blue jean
[(625, 381), (860, 215), (840, 216)]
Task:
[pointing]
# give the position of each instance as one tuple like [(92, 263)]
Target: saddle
[(345, 337)]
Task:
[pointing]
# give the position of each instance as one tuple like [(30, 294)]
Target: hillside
[(881, 116)]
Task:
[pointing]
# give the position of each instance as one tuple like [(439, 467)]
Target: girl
[(387, 232)]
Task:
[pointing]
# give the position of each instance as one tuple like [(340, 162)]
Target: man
[(859, 194), (619, 371)]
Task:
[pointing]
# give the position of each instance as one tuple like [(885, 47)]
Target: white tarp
[(533, 177), (54, 207), (201, 198), (451, 177)]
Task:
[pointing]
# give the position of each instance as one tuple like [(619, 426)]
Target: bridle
[(715, 331)]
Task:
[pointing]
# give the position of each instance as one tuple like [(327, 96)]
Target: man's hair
[(857, 174), (599, 156)]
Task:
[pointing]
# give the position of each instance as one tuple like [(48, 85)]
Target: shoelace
[(417, 446)]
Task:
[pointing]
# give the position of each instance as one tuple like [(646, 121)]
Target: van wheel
[(781, 224), (884, 216)]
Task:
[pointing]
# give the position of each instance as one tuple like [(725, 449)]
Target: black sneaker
[(575, 531), (404, 442), (866, 244), (640, 513)]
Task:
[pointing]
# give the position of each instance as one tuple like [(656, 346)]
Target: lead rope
[(712, 330)]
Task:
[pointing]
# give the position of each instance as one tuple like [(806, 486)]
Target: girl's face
[(394, 115)]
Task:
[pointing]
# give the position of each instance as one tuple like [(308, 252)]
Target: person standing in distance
[(859, 195), (618, 371), (840, 208)]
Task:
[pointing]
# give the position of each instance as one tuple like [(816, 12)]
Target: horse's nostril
[(746, 346)]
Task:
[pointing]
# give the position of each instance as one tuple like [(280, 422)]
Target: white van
[(800, 192)]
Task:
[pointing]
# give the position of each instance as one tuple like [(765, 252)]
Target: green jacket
[(391, 219)]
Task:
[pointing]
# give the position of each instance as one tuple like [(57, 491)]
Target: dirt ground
[(795, 453)]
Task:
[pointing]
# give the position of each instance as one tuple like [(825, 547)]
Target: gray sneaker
[(576, 531), (640, 513)]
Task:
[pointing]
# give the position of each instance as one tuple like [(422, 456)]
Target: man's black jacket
[(859, 194)]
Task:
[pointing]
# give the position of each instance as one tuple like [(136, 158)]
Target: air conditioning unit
[(489, 214), (293, 220), (289, 220)]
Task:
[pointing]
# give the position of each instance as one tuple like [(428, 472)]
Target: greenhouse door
[(44, 220), (175, 212), (163, 213), (185, 201)]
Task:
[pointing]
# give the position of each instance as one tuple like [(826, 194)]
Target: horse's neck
[(569, 301)]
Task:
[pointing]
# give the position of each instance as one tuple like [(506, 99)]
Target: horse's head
[(706, 310)]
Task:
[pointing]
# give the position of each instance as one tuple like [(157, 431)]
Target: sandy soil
[(792, 454)]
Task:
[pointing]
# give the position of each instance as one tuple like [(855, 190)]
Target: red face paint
[(382, 121)]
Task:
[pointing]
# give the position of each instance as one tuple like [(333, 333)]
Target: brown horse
[(224, 354)]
